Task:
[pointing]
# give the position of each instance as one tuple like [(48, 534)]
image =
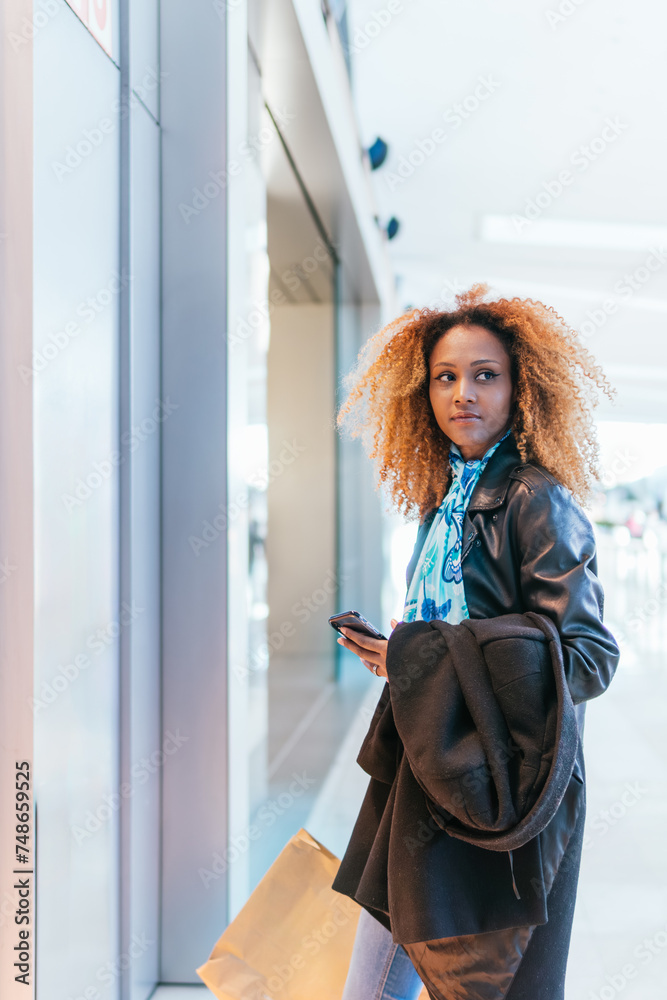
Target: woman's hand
[(370, 651)]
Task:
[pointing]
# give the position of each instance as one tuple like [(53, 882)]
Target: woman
[(480, 422)]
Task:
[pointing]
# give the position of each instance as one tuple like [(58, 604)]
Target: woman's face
[(470, 388)]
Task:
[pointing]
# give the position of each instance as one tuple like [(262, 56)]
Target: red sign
[(96, 15)]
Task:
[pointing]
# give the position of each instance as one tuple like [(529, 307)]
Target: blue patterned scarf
[(436, 589)]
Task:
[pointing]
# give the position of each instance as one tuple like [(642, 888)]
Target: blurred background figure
[(207, 210)]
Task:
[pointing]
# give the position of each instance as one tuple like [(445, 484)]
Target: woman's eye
[(486, 376)]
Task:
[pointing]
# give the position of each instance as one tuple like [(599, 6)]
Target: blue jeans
[(380, 969)]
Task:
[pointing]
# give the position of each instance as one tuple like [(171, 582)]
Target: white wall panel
[(75, 377)]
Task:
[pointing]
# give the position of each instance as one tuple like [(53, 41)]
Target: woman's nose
[(465, 391)]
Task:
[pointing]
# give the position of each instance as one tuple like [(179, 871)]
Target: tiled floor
[(312, 724), (619, 937)]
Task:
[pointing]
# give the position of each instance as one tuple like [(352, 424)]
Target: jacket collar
[(494, 481)]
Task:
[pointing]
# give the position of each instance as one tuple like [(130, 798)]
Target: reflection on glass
[(288, 448)]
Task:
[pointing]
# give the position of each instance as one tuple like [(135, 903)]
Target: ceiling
[(484, 105), (312, 212)]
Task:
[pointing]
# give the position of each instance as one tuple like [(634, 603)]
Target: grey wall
[(194, 482)]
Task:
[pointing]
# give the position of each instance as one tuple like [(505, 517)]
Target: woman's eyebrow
[(482, 361)]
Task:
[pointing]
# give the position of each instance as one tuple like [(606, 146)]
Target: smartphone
[(356, 621)]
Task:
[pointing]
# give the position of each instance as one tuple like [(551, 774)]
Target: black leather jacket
[(527, 546)]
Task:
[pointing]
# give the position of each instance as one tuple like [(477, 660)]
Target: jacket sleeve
[(558, 578)]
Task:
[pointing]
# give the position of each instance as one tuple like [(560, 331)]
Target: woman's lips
[(465, 418)]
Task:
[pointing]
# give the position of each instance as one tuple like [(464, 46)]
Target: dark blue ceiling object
[(392, 227), (378, 153)]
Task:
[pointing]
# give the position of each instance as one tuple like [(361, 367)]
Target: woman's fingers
[(376, 662), (375, 652), (361, 640)]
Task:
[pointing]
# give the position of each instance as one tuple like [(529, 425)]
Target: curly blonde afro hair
[(556, 378)]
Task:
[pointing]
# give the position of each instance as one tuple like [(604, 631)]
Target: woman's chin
[(468, 433)]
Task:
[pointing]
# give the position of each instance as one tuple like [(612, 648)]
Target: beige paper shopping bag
[(293, 938)]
